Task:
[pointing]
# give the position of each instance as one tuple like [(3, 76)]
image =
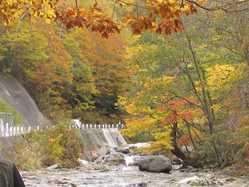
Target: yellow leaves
[(131, 108), (12, 10), (163, 138), (221, 76), (156, 147), (216, 107), (244, 121), (135, 126), (133, 52), (139, 103), (149, 126), (161, 143), (158, 82), (122, 101)]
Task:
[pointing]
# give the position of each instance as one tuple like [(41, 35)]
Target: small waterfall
[(119, 138), (109, 138), (114, 137)]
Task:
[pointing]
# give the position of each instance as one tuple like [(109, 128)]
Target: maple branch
[(130, 4), (224, 8), (194, 89), (199, 5), (76, 4)]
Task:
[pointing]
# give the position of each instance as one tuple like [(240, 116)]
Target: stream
[(107, 172), (126, 176)]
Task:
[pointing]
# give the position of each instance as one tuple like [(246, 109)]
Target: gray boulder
[(158, 163), (124, 150), (114, 158)]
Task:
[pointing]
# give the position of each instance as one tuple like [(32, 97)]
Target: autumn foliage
[(186, 94), (93, 18), (154, 15)]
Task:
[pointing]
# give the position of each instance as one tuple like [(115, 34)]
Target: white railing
[(77, 124), (8, 130)]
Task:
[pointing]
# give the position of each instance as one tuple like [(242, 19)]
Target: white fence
[(77, 124), (9, 129)]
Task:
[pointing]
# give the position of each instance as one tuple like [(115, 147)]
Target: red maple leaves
[(161, 17), (94, 19)]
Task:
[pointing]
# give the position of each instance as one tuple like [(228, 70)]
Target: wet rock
[(124, 150), (176, 167), (139, 145), (115, 158), (83, 162), (55, 166), (208, 180), (177, 161), (155, 164), (100, 167), (189, 169)]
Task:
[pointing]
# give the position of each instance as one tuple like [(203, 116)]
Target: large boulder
[(158, 163)]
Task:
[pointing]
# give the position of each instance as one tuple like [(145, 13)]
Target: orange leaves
[(71, 17), (176, 104), (170, 13), (94, 18), (185, 139), (163, 17), (139, 24), (168, 26), (159, 16), (180, 110)]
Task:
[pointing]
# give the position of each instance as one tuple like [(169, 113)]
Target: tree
[(80, 93), (103, 72), (191, 106), (40, 61)]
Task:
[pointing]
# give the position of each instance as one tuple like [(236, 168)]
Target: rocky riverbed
[(123, 176)]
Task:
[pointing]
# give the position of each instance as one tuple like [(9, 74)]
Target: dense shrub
[(57, 145), (24, 154), (224, 148)]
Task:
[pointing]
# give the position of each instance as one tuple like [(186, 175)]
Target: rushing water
[(94, 174), (124, 177)]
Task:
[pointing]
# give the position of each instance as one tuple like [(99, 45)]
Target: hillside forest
[(175, 72)]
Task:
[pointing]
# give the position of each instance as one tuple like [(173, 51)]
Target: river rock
[(115, 158), (124, 150), (208, 180), (52, 167), (158, 163)]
